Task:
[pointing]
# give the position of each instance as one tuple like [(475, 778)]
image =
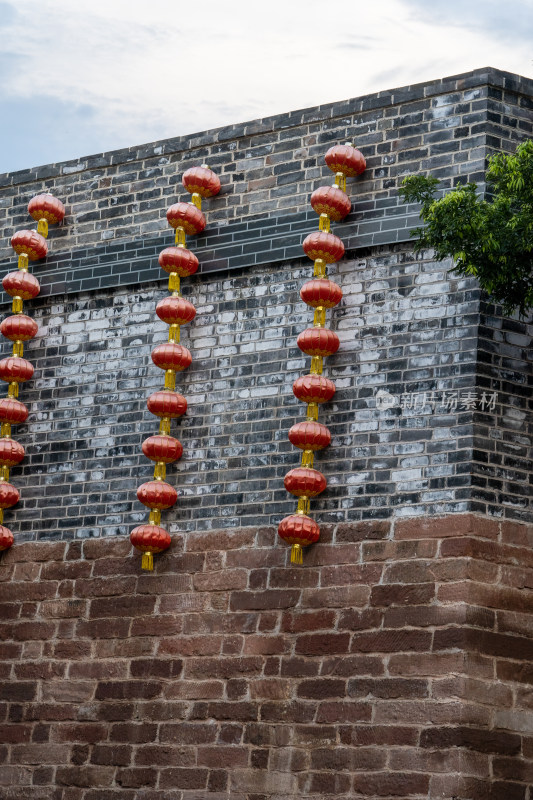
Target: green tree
[(489, 239)]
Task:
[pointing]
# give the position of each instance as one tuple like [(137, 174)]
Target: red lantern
[(300, 531), (6, 538), (321, 292), (305, 482), (48, 207), (171, 356), (29, 243), (175, 311), (346, 159), (19, 328), (313, 389), (21, 284), (12, 411), (332, 201), (309, 436), (150, 539), (323, 245), (179, 260), (9, 495), (318, 342), (202, 181), (15, 369), (186, 216), (157, 494), (11, 452), (167, 404), (161, 448)]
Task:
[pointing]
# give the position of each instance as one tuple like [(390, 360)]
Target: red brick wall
[(395, 664)]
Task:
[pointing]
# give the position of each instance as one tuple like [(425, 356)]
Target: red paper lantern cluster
[(19, 328), (172, 357), (320, 293)]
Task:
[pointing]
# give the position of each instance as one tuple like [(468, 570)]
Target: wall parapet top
[(190, 142)]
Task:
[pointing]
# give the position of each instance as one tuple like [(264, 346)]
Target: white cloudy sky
[(85, 76)]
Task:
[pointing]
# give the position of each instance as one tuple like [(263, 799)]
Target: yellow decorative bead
[(340, 181), (312, 411), (308, 458), (170, 379), (174, 333), (164, 426), (160, 471), (317, 365), (42, 227), (303, 505), (320, 268), (180, 237), (324, 223), (319, 317), (155, 517), (174, 283)]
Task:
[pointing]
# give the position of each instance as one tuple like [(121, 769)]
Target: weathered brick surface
[(247, 694), (411, 332), (116, 202), (408, 334), (396, 663)]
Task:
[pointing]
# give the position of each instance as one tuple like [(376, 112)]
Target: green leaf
[(490, 240)]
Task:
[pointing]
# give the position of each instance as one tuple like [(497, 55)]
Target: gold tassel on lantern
[(147, 561), (180, 237), (324, 223), (296, 554), (42, 227)]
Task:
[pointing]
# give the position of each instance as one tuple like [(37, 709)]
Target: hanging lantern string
[(19, 328), (172, 357), (331, 204)]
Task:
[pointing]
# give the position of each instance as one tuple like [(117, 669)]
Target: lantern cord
[(23, 261), (296, 554), (147, 561)]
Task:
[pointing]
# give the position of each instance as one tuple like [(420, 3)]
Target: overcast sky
[(80, 77)]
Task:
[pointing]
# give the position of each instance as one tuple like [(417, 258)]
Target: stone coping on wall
[(478, 77), (116, 201)]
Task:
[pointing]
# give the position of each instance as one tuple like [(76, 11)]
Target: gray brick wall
[(503, 431), (408, 331), (412, 435), (116, 202)]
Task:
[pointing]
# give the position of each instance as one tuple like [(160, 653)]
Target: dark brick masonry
[(116, 202), (408, 329), (396, 663)]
